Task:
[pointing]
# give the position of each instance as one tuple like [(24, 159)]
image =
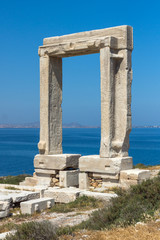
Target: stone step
[(29, 181)]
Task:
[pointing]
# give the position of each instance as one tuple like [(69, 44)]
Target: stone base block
[(37, 205), (62, 195), (134, 176), (106, 176), (94, 163), (56, 162), (69, 178), (83, 180)]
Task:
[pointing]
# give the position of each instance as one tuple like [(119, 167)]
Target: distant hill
[(25, 125)]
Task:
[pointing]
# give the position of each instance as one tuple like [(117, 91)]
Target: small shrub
[(65, 230), (34, 231), (129, 207), (7, 227)]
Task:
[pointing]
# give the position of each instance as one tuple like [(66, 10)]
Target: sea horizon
[(18, 146)]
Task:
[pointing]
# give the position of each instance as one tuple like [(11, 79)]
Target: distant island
[(77, 125), (37, 125), (154, 126), (67, 125)]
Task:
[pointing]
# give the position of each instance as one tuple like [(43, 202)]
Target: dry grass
[(15, 180), (148, 167), (150, 231), (83, 203), (154, 168)]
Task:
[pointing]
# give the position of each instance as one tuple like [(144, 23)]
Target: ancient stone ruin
[(61, 178), (52, 166)]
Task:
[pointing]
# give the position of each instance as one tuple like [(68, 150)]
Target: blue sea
[(19, 146)]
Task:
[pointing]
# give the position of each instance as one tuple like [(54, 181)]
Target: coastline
[(96, 127)]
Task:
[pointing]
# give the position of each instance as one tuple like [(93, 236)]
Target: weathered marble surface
[(115, 47), (97, 164), (56, 161)]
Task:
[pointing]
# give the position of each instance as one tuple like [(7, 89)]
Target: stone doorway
[(115, 47)]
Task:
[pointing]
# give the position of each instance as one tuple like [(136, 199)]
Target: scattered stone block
[(4, 197), (62, 195), (154, 173), (23, 188), (134, 176), (4, 214), (4, 205), (57, 161), (69, 178), (102, 196), (25, 196), (17, 196), (29, 207), (83, 180), (5, 234), (4, 208)]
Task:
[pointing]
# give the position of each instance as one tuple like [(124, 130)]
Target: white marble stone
[(17, 196), (83, 180), (57, 161), (4, 213), (102, 196), (133, 176), (94, 163), (36, 205), (69, 178), (62, 195)]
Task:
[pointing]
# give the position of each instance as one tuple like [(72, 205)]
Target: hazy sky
[(23, 26)]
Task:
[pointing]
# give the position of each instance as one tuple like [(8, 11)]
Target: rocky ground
[(59, 219), (149, 231), (141, 231)]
